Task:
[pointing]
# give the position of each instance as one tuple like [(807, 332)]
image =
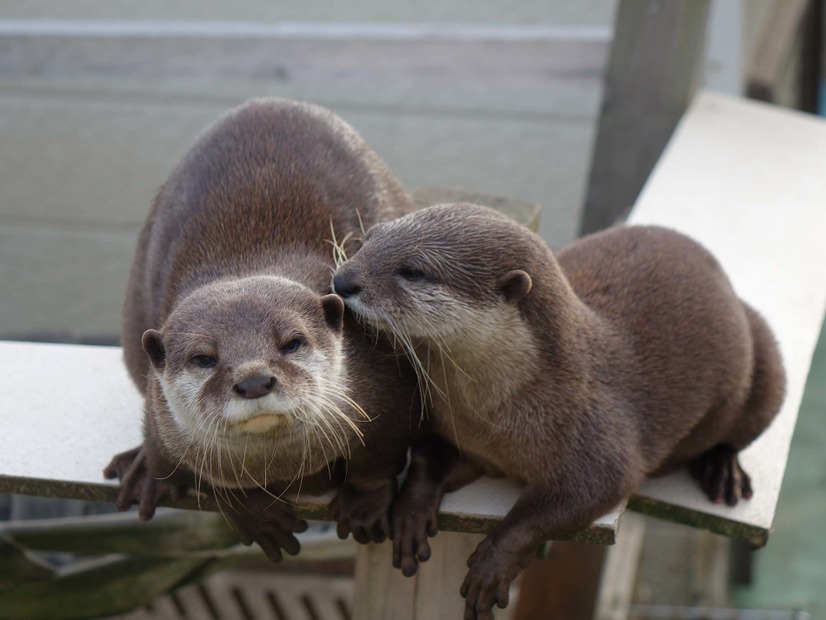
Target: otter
[(255, 380), (627, 354)]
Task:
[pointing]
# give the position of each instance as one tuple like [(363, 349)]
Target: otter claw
[(487, 584), (721, 477), (364, 514), (258, 517), (137, 485)]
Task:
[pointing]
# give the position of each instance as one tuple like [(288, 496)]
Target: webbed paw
[(364, 514), (720, 475), (491, 572), (258, 517), (138, 485), (414, 521)]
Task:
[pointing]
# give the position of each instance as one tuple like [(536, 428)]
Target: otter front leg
[(436, 467), (262, 517), (138, 485), (541, 513), (362, 507)]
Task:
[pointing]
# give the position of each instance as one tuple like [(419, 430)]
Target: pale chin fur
[(182, 401), (262, 447), (426, 320), (250, 416), (363, 312)]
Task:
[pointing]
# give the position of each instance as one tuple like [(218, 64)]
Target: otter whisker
[(339, 253), (320, 418), (426, 384), (335, 410), (361, 222)]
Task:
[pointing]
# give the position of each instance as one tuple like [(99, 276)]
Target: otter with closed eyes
[(256, 381), (627, 354)]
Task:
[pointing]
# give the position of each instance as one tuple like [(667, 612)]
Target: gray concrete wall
[(530, 12), (91, 125)]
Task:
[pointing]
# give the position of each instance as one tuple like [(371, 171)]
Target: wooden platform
[(748, 180), (68, 409)]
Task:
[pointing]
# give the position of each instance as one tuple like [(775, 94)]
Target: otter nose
[(255, 387), (344, 285)]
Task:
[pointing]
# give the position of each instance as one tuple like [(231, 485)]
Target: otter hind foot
[(720, 475)]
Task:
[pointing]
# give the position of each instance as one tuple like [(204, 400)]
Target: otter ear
[(333, 307), (515, 285), (152, 342)]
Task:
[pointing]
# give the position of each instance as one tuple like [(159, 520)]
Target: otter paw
[(137, 485), (413, 524), (720, 475), (488, 581), (258, 517), (364, 514)]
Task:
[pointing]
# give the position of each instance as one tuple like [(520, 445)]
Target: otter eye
[(204, 361), (293, 345), (411, 275)]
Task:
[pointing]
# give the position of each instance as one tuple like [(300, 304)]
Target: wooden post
[(651, 77), (432, 594)]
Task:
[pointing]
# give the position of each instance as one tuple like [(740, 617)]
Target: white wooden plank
[(67, 409), (478, 506), (747, 180)]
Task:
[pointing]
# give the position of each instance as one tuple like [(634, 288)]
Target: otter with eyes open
[(256, 380)]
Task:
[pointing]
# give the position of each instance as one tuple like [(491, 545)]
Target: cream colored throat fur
[(476, 373), (324, 423)]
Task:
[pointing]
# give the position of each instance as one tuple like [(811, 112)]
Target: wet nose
[(344, 285), (255, 387)]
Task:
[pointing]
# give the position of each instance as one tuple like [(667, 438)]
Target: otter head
[(437, 273), (247, 369)]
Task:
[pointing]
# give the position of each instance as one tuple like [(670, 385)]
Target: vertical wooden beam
[(811, 68), (619, 573), (652, 74), (439, 581), (562, 585), (381, 591), (774, 71)]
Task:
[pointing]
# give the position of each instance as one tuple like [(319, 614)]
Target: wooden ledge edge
[(315, 509), (754, 535)]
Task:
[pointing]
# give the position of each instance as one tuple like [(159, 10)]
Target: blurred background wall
[(99, 99)]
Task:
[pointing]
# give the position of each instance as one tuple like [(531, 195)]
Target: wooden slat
[(432, 594), (747, 181), (774, 50), (619, 572), (651, 76), (67, 409)]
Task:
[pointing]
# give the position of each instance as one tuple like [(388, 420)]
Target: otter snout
[(255, 387), (344, 284)]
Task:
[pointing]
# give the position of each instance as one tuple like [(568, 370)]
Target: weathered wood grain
[(652, 73)]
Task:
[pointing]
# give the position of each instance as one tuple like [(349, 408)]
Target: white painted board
[(67, 409), (748, 181)]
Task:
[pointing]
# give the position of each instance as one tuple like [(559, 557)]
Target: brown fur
[(260, 196), (627, 354)]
